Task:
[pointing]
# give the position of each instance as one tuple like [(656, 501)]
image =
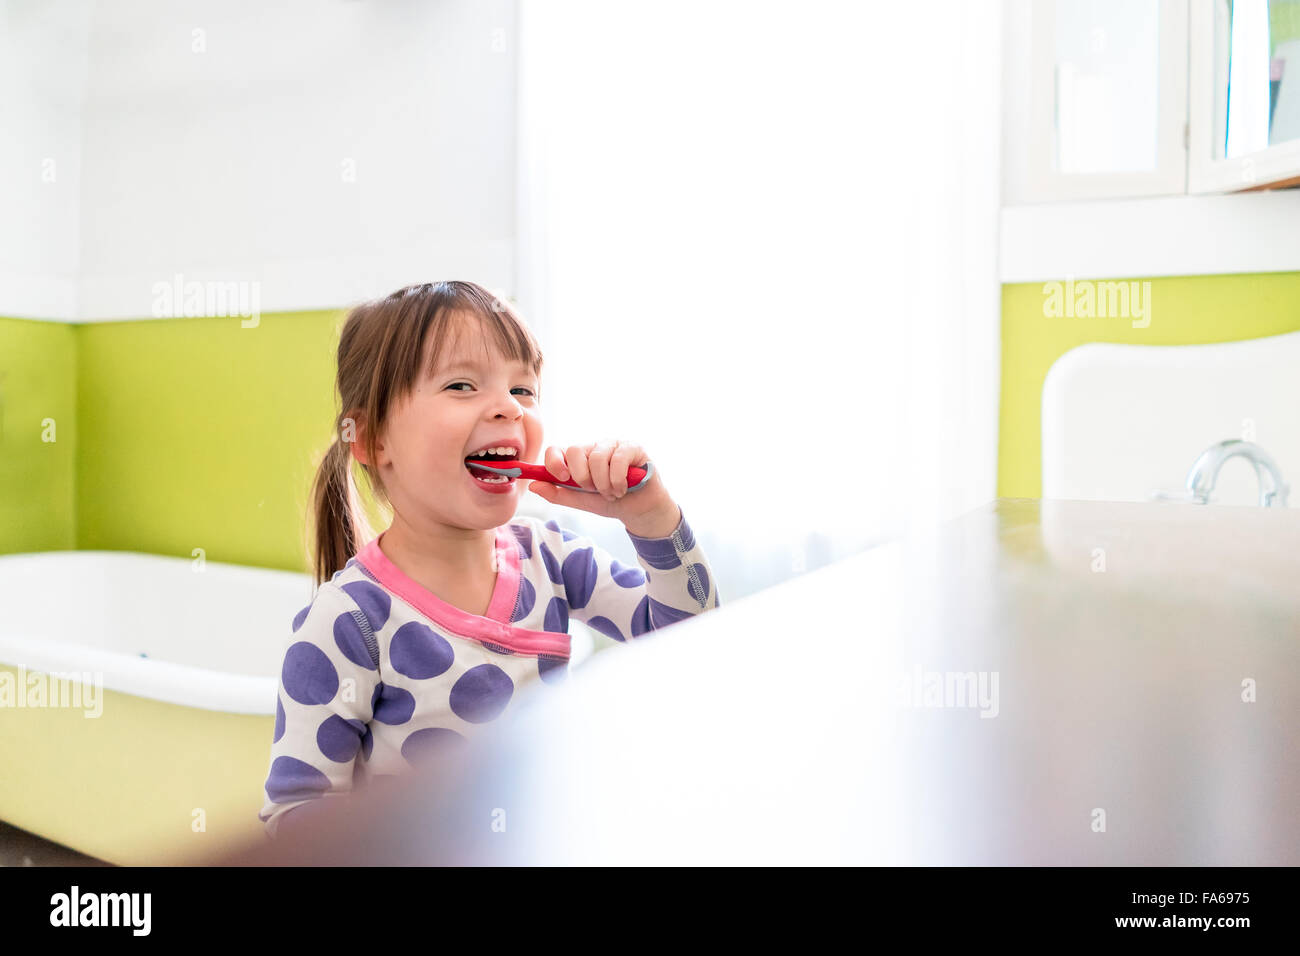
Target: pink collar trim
[(495, 627)]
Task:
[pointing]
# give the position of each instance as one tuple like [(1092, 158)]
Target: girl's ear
[(354, 434)]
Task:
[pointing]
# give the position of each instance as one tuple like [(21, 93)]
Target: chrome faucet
[(1200, 480)]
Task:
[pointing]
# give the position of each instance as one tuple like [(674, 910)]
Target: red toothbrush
[(637, 476)]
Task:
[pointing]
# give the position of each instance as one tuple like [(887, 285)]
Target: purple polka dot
[(279, 720), (565, 533), (481, 693), (524, 535), (552, 670), (367, 743), (308, 676), (626, 576), (339, 739), (294, 779), (395, 706), (527, 598), (663, 615), (498, 648), (300, 617), (606, 627), (641, 617), (350, 640), (429, 742), (703, 575), (580, 574), (373, 601), (551, 564), (557, 616), (417, 652)]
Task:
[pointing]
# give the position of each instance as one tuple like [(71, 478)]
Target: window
[(1125, 98), (1244, 95)]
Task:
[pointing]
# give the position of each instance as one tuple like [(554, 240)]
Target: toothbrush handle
[(636, 476)]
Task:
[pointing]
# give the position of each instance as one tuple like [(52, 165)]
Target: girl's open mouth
[(488, 481)]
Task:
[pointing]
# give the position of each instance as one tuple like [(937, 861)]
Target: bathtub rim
[(166, 681), (162, 681)]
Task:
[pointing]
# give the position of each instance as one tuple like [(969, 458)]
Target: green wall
[(1185, 310), (172, 434), (199, 433), (38, 374)]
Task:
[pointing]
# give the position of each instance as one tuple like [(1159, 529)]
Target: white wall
[(42, 82), (225, 155)]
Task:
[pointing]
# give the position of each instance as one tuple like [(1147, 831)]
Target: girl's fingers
[(599, 464), (625, 456), (601, 467), (554, 462), (575, 456)]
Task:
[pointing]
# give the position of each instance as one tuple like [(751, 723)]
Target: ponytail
[(341, 526)]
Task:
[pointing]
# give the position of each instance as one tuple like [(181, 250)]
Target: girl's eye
[(518, 389)]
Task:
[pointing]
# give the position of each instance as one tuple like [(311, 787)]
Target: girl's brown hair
[(379, 362)]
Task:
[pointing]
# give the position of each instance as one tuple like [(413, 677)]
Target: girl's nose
[(511, 407)]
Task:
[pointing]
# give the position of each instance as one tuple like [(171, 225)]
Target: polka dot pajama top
[(379, 670)]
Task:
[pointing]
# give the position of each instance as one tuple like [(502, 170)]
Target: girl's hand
[(648, 512)]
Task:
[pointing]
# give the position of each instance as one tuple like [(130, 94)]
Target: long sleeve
[(326, 699), (674, 581)]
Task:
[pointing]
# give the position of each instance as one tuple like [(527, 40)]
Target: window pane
[(1107, 85)]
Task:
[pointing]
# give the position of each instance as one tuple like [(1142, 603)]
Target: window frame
[(1043, 182)]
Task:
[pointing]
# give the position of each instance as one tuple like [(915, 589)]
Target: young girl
[(421, 636)]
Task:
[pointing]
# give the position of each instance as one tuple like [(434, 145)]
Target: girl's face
[(475, 399)]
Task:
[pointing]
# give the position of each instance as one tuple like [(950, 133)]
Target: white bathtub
[(188, 654), (202, 634)]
